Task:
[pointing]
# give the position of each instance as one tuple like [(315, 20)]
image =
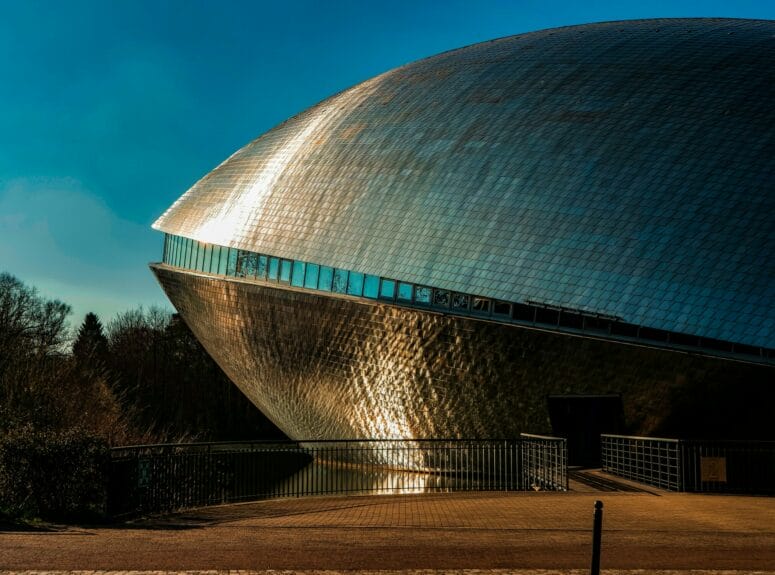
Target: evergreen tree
[(91, 346)]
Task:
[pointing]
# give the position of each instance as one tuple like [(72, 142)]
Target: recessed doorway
[(581, 419)]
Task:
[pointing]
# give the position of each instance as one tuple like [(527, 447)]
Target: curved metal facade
[(335, 367), (623, 168)]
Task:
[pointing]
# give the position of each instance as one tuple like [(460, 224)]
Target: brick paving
[(402, 572), (525, 533)]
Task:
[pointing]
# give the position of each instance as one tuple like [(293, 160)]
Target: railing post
[(597, 531)]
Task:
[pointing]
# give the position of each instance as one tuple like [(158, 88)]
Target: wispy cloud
[(63, 239)]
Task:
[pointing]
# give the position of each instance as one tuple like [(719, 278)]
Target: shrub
[(53, 475)]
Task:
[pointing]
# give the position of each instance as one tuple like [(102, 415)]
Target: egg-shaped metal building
[(579, 211)]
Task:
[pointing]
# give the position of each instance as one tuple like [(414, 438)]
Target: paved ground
[(496, 532)]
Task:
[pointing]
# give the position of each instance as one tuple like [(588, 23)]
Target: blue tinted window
[(177, 250), (223, 260), (297, 277), (208, 258), (326, 278), (261, 267), (274, 268), (311, 277), (404, 291), (371, 286), (231, 267), (174, 250), (387, 289), (340, 281), (355, 284), (216, 252), (285, 271), (200, 256), (216, 259), (188, 246), (166, 257), (193, 255), (170, 250)]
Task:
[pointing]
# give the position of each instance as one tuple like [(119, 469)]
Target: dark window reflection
[(480, 305), (460, 301), (501, 308), (422, 294), (246, 264)]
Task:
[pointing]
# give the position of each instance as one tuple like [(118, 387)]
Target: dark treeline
[(141, 378)]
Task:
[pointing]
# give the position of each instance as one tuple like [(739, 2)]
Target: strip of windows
[(209, 258)]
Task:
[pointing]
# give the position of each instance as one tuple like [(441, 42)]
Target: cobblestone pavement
[(444, 533), (402, 572)]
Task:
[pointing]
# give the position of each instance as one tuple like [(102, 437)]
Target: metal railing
[(711, 466), (729, 466), (150, 478), (652, 460), (545, 462)]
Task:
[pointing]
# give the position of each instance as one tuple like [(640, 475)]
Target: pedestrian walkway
[(594, 480), (449, 533)]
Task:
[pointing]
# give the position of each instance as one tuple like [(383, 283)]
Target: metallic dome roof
[(625, 168)]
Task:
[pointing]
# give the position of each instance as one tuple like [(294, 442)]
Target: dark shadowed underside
[(333, 367)]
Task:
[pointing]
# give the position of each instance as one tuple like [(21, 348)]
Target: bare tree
[(33, 332)]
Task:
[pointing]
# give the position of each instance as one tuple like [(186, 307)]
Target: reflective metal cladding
[(623, 168), (620, 170)]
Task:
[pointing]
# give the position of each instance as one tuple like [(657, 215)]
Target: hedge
[(53, 475)]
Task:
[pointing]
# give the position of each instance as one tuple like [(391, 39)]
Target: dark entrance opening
[(581, 419)]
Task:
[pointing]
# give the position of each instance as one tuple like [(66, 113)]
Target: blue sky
[(110, 110)]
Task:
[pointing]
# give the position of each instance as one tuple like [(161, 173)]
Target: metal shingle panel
[(625, 168)]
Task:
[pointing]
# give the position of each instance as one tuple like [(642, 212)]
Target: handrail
[(324, 441), (162, 477), (696, 465), (641, 437)]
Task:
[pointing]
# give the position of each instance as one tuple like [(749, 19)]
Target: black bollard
[(597, 531)]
